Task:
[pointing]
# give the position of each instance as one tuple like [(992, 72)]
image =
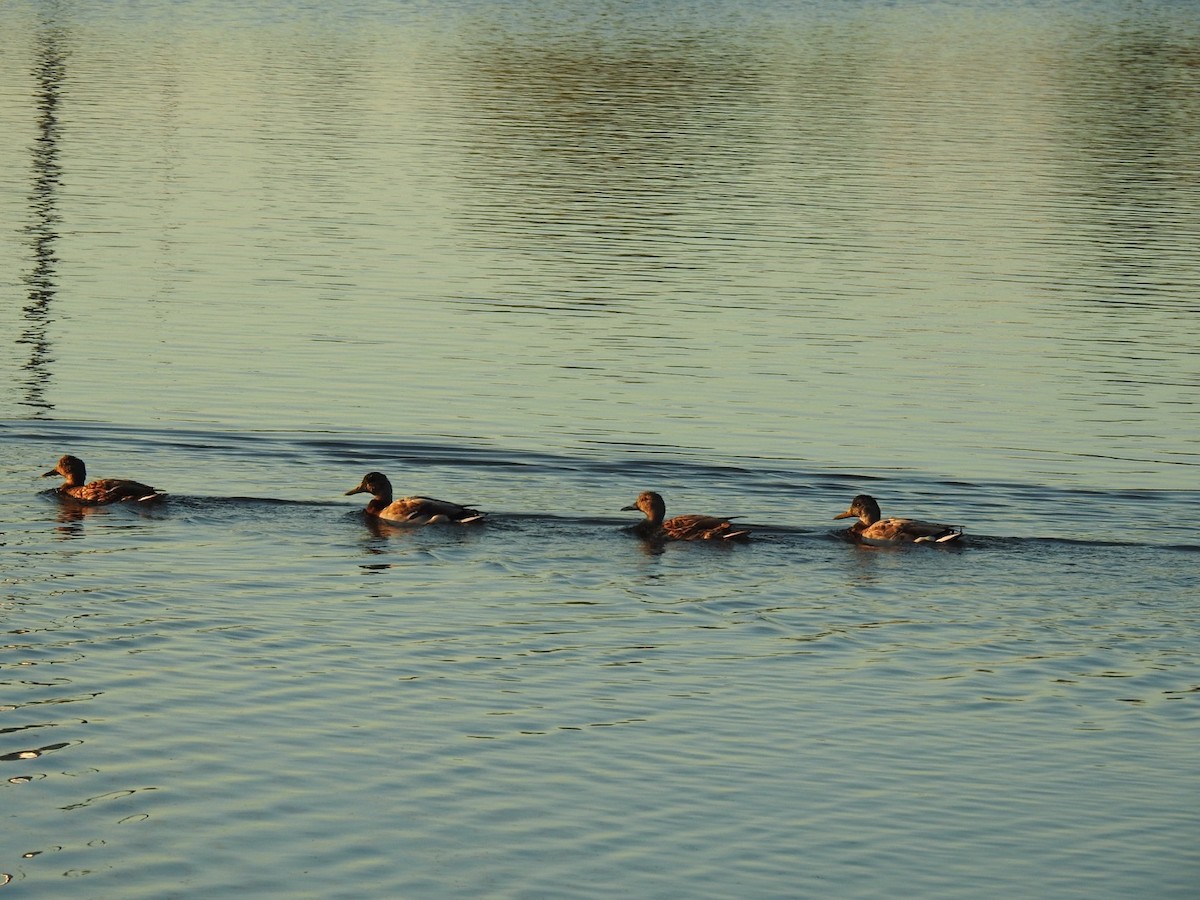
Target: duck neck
[(649, 529), (870, 515), (379, 502)]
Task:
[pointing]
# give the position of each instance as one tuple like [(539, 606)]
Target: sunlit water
[(539, 257)]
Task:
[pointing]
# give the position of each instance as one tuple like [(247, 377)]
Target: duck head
[(373, 483), (651, 504), (70, 468), (862, 507)]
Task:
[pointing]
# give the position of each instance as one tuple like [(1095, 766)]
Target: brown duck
[(681, 528), (872, 528), (103, 490), (410, 510)]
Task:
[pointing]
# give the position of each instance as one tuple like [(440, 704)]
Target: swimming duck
[(871, 528), (410, 510), (104, 490), (681, 528)]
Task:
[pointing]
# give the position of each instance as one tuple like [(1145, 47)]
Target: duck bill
[(361, 489), (630, 506), (846, 515), (50, 474)]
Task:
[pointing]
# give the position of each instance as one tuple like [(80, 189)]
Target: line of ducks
[(870, 528)]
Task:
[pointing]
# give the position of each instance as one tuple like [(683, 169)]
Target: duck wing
[(112, 490), (702, 528), (910, 531), (427, 510)]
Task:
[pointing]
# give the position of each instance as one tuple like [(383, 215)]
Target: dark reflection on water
[(43, 207)]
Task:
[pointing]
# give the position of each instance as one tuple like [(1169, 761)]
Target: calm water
[(539, 257)]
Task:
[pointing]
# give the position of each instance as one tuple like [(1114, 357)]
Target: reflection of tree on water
[(42, 230)]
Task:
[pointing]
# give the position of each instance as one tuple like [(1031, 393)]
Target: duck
[(872, 528), (681, 528), (410, 510), (101, 491)]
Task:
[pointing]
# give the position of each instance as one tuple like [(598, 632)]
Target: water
[(538, 258)]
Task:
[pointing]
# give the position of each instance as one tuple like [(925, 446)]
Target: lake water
[(538, 257)]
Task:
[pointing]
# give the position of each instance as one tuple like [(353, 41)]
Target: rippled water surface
[(539, 257)]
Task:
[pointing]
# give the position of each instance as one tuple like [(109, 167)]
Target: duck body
[(410, 510), (872, 528), (681, 528), (99, 492)]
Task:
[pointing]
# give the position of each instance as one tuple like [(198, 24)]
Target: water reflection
[(582, 146), (691, 237), (43, 204), (71, 516), (1128, 131)]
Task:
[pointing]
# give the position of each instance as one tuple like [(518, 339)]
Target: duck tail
[(941, 537)]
